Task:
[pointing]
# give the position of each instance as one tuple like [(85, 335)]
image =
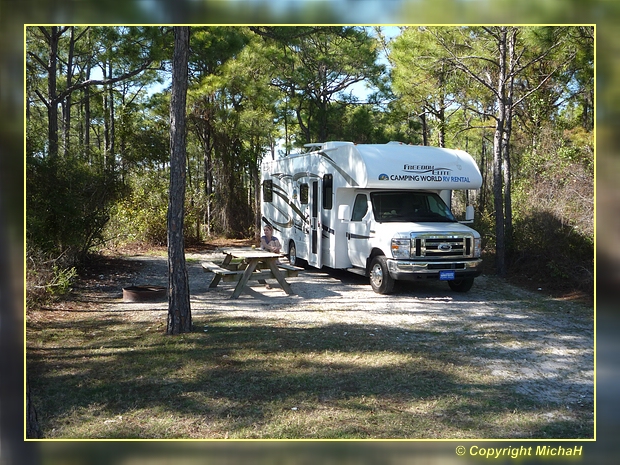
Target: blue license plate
[(446, 275)]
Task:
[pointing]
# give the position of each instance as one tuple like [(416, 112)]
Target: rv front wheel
[(380, 279)]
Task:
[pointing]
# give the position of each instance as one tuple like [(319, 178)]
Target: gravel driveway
[(543, 347)]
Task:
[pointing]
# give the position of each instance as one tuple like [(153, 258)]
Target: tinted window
[(328, 189), (360, 207), (303, 194), (268, 190)]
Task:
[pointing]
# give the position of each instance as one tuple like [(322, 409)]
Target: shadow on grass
[(246, 377)]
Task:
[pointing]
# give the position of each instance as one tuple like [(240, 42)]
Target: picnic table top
[(250, 253)]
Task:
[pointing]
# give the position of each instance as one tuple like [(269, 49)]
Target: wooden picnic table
[(259, 265)]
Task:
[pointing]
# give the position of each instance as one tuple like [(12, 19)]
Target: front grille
[(441, 246), (446, 266)]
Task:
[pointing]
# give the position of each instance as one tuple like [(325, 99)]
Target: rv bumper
[(410, 270)]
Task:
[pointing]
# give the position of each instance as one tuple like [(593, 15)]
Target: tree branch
[(42, 98), (463, 67), (99, 82), (527, 94), (38, 59)]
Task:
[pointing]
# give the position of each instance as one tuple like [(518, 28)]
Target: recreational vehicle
[(380, 210)]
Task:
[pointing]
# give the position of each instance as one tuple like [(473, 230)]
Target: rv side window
[(303, 194), (268, 190), (360, 207), (328, 189)]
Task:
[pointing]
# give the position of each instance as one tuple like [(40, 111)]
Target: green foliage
[(553, 202), (141, 216), (142, 132), (62, 280), (68, 205), (550, 249), (47, 280), (73, 155), (313, 67), (429, 81), (359, 125), (578, 148), (233, 108)]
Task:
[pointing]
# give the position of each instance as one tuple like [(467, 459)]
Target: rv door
[(314, 238), (358, 234)]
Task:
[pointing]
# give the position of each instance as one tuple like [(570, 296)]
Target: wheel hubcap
[(376, 275)]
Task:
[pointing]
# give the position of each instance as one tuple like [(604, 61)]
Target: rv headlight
[(401, 248), (477, 247)]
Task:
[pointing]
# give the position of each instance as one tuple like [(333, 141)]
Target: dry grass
[(103, 375)]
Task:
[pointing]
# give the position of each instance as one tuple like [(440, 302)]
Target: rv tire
[(293, 259), (380, 279), (461, 285)]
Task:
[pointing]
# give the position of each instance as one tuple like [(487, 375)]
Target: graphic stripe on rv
[(357, 236), (280, 192), (344, 174)]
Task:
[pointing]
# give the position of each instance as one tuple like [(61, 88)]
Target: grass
[(103, 375)]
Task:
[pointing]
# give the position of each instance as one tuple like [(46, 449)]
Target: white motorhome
[(381, 210)]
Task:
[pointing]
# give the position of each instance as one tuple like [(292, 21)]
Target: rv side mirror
[(469, 213), (344, 212)]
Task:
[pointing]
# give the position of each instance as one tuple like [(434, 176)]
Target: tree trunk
[(203, 120), (179, 310), (441, 113), (257, 196), (305, 129), (483, 171), (68, 100), (323, 119), (506, 166), (506, 143), (442, 126), (52, 107), (108, 121), (208, 190), (87, 149), (424, 128), (500, 246), (208, 175), (112, 126), (506, 169)]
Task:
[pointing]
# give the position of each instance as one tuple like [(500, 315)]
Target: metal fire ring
[(143, 293)]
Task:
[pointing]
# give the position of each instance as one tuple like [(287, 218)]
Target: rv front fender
[(373, 253)]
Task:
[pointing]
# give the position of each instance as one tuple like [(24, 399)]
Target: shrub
[(47, 279), (553, 219), (68, 205)]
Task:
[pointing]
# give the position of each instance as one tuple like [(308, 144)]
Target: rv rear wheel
[(461, 285), (380, 279), (293, 259)]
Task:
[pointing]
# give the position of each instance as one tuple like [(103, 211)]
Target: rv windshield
[(403, 206)]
